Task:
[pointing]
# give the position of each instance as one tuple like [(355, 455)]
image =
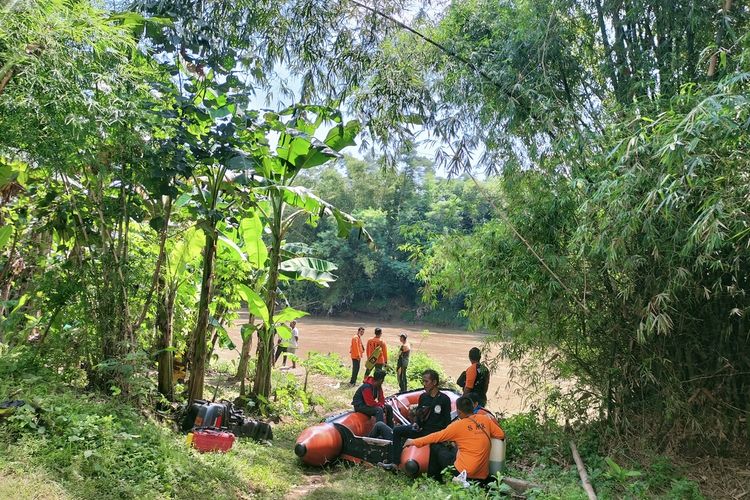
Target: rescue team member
[(476, 379), (356, 350), (381, 431), (433, 414), (377, 352), (403, 362), (369, 398), (472, 435)]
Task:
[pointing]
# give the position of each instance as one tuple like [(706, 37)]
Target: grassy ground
[(85, 445)]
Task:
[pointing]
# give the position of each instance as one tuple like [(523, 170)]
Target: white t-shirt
[(295, 337)]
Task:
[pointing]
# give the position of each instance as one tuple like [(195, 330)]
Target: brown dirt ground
[(448, 347)]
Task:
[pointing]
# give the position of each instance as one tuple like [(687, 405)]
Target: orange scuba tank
[(370, 363)]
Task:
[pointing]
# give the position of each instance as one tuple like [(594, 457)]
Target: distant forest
[(404, 210)]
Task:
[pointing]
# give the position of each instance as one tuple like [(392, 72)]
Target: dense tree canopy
[(618, 250), (404, 209)]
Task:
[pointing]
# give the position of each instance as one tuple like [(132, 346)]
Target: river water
[(450, 348)]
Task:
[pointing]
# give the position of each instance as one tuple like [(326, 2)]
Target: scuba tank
[(497, 455), (370, 363)]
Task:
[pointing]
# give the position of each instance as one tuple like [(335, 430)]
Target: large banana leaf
[(299, 150), (284, 332), (234, 250), (187, 249), (308, 268), (342, 136), (255, 303), (251, 230), (288, 314), (305, 199), (5, 234)]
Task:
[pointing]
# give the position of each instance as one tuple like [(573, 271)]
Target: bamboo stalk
[(582, 472), (719, 38)]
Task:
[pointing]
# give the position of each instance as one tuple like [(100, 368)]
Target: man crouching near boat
[(433, 413), (472, 434)]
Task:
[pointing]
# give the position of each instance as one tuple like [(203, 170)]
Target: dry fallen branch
[(582, 472)]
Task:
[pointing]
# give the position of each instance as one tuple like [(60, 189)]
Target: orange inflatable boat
[(345, 436)]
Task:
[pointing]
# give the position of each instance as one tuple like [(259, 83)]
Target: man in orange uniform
[(356, 350), (477, 378), (472, 434), (372, 346)]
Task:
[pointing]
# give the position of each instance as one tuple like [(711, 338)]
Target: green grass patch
[(68, 443)]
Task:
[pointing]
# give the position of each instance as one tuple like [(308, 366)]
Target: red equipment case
[(211, 440)]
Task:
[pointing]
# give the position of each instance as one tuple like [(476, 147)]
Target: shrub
[(329, 364), (104, 449)]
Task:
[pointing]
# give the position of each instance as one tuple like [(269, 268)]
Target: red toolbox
[(212, 440)]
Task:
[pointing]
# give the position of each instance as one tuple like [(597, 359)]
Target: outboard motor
[(224, 416)]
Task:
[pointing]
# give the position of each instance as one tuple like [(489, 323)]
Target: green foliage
[(418, 363), (404, 210), (621, 261), (329, 364), (531, 438), (94, 446), (289, 397)]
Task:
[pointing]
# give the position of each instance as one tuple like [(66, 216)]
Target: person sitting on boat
[(377, 353), (433, 413), (381, 430), (472, 434), (476, 379), (369, 398)]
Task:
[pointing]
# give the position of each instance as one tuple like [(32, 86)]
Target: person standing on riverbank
[(476, 379), (403, 362), (356, 350), (377, 353), (293, 344)]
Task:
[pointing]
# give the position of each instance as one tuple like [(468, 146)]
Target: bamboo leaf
[(5, 233)]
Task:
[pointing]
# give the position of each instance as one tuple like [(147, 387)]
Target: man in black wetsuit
[(433, 414)]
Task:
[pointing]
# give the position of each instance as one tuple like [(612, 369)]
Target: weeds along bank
[(92, 445), (72, 443)]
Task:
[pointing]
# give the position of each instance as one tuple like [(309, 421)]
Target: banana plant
[(297, 149), (214, 130), (183, 250)]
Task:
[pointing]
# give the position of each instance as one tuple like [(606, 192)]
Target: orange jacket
[(357, 349), (371, 344), (471, 377), (473, 444)]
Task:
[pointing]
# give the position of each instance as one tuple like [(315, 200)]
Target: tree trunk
[(213, 331), (247, 345), (198, 350), (164, 316)]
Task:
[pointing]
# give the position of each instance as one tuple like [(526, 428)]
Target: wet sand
[(450, 348)]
